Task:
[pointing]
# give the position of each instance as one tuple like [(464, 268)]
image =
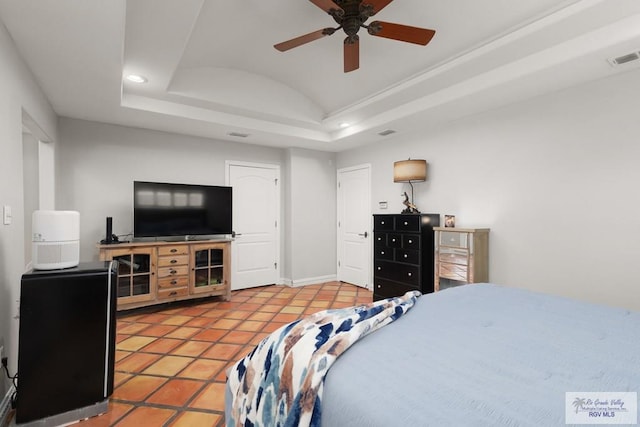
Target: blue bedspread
[(483, 355)]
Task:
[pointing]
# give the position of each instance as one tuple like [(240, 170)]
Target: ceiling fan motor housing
[(352, 15)]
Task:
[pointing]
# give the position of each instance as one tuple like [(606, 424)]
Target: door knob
[(365, 234)]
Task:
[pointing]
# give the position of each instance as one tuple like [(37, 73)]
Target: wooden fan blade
[(351, 54), (290, 44), (404, 33), (326, 5), (378, 5)]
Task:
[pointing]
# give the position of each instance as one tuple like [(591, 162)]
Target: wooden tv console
[(159, 272)]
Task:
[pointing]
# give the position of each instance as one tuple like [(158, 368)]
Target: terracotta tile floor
[(170, 364)]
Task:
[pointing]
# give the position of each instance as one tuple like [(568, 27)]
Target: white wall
[(97, 164), (555, 178), (311, 224), (20, 95)]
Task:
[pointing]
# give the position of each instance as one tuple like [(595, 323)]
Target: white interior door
[(354, 225), (255, 252)]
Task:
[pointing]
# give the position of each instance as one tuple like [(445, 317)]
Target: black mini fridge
[(66, 343)]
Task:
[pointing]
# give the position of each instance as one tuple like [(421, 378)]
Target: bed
[(482, 355)]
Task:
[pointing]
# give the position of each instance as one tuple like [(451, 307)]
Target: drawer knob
[(173, 261), (173, 282), (393, 240), (409, 274), (379, 286), (379, 268), (410, 241), (173, 293), (172, 271), (174, 250), (406, 223), (381, 252), (405, 255)]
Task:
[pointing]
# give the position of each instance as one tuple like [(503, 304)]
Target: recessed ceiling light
[(136, 78), (343, 125)]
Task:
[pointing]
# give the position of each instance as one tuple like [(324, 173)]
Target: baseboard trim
[(313, 280)]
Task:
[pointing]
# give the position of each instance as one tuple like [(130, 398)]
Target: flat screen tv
[(171, 210)]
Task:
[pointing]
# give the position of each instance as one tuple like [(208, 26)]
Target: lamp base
[(410, 207), (410, 210)]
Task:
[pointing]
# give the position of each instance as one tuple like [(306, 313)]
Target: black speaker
[(109, 236)]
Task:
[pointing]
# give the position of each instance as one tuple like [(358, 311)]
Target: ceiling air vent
[(238, 134), (624, 59), (387, 132)]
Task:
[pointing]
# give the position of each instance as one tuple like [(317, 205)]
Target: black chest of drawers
[(403, 254)]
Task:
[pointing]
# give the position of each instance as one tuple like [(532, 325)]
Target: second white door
[(354, 225)]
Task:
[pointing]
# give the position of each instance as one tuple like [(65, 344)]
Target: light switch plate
[(6, 215)]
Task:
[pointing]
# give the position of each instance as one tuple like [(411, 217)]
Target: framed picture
[(449, 220)]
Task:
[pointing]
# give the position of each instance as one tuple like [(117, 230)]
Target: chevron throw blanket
[(280, 382)]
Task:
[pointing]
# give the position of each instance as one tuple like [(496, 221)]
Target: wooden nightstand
[(461, 256)]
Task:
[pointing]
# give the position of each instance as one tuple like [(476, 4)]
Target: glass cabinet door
[(134, 276), (208, 269)]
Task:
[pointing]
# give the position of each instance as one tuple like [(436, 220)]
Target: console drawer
[(173, 250), (173, 282), (168, 261), (180, 270), (172, 293)]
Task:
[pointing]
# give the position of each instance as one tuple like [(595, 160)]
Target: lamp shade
[(410, 170)]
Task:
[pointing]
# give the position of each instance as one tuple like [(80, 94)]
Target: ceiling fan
[(351, 15)]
